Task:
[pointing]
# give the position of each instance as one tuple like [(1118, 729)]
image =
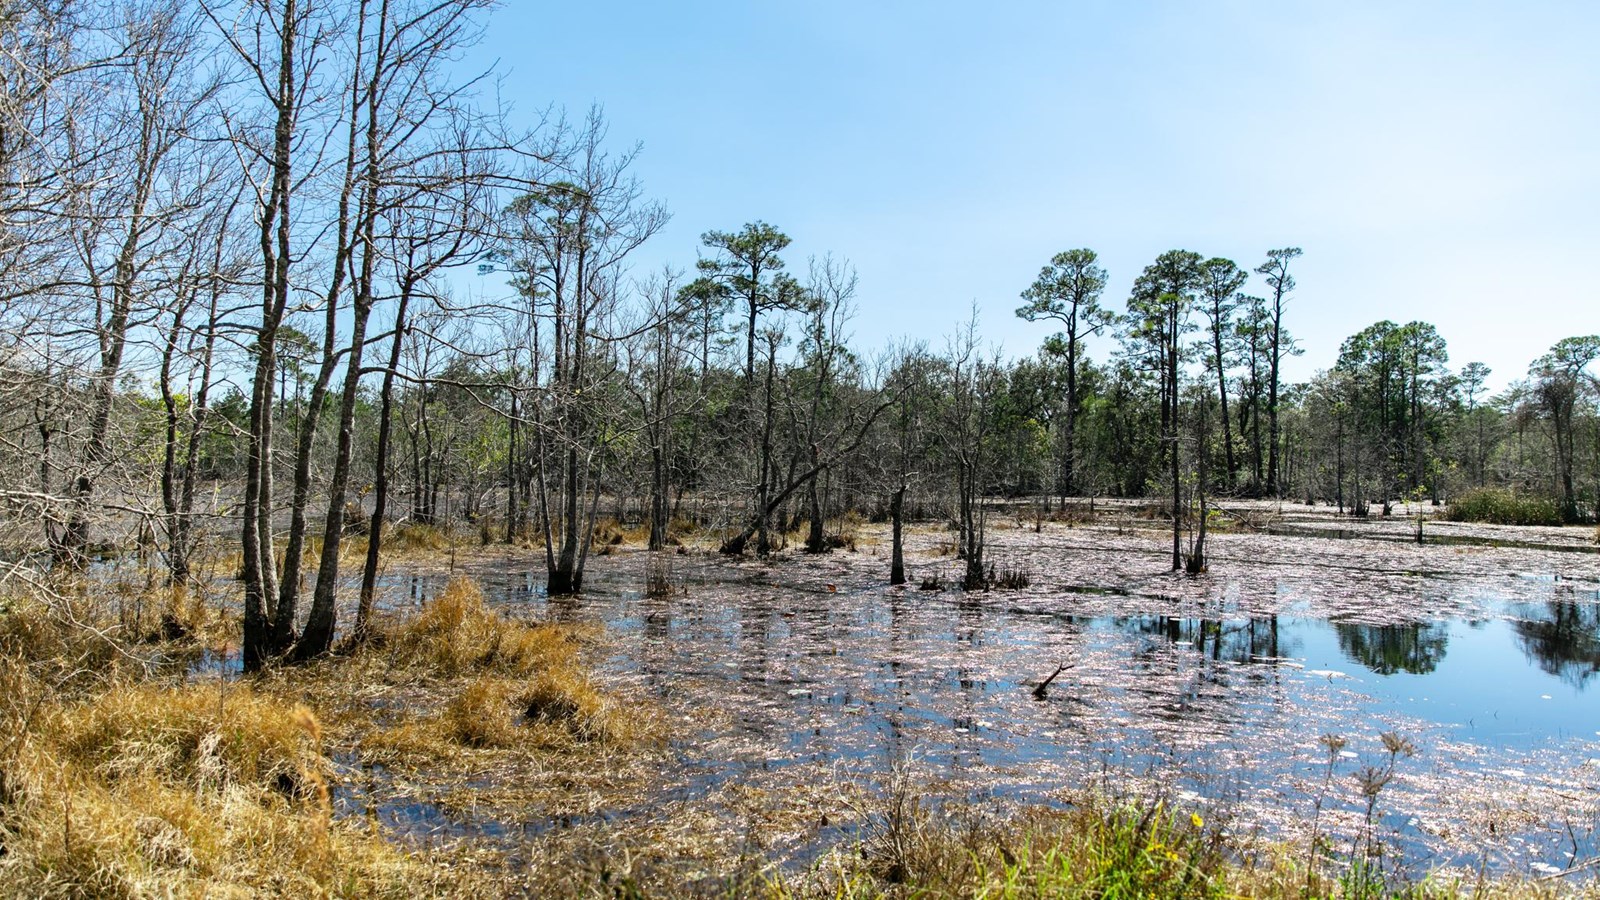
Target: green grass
[(1501, 507)]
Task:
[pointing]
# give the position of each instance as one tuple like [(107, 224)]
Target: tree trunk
[(897, 562), (659, 504), (320, 622), (816, 541), (380, 478)]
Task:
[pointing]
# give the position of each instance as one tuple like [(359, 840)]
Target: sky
[(1435, 160)]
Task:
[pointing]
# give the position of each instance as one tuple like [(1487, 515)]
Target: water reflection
[(1389, 649), (1564, 642), (790, 680), (1243, 641)]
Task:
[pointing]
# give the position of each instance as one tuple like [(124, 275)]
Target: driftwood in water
[(1043, 690)]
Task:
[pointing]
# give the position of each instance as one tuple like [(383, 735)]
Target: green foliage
[(1501, 507)]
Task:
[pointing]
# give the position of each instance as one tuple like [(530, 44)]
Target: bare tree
[(971, 385), (443, 222), (400, 93), (830, 292), (215, 267), (572, 239), (658, 358)]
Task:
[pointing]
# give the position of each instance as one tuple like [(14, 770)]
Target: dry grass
[(193, 791), (560, 710), (412, 537), (73, 640), (506, 684), (609, 533), (115, 781), (456, 634), (197, 735)]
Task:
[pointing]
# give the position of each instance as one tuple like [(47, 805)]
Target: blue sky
[(1436, 161)]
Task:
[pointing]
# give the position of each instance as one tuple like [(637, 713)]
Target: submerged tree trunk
[(660, 504), (380, 478), (321, 620), (816, 540), (897, 562)]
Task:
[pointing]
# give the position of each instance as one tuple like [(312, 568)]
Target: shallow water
[(1210, 691)]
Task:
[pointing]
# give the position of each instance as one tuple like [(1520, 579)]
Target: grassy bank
[(120, 776)]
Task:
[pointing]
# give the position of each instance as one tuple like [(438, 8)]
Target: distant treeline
[(227, 240)]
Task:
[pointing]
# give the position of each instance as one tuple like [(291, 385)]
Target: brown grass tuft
[(482, 714), (456, 634), (201, 736), (190, 791), (413, 537)]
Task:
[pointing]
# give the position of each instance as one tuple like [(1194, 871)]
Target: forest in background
[(232, 244)]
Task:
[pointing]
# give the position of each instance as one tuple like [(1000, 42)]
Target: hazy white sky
[(1435, 160)]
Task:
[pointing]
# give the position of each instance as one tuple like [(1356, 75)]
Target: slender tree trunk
[(322, 619), (1172, 440), (897, 562), (816, 541), (1069, 482), (380, 479), (659, 502), (1222, 394), (512, 476)]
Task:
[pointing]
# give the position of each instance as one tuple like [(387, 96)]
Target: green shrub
[(1501, 507)]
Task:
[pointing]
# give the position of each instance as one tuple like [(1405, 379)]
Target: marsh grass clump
[(610, 533), (457, 634), (659, 578), (415, 537), (1009, 579), (559, 709), (500, 683), (196, 735), (183, 614), (1097, 847), (45, 635), (145, 790), (554, 707), (1501, 507), (566, 699), (76, 642), (480, 715)]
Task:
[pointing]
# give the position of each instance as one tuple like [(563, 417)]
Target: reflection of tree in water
[(1252, 640), (1387, 649), (1567, 644)]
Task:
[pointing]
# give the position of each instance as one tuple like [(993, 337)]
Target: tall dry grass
[(151, 790), (119, 778), (506, 684)]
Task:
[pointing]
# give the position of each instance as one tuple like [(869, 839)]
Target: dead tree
[(572, 237)]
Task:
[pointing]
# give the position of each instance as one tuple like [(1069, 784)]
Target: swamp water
[(785, 677)]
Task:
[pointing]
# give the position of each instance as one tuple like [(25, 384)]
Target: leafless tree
[(572, 239)]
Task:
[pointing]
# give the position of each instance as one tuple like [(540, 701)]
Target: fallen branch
[(1043, 690)]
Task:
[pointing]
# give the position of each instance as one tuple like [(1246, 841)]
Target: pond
[(1213, 692)]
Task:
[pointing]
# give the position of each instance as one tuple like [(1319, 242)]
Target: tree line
[(232, 239)]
